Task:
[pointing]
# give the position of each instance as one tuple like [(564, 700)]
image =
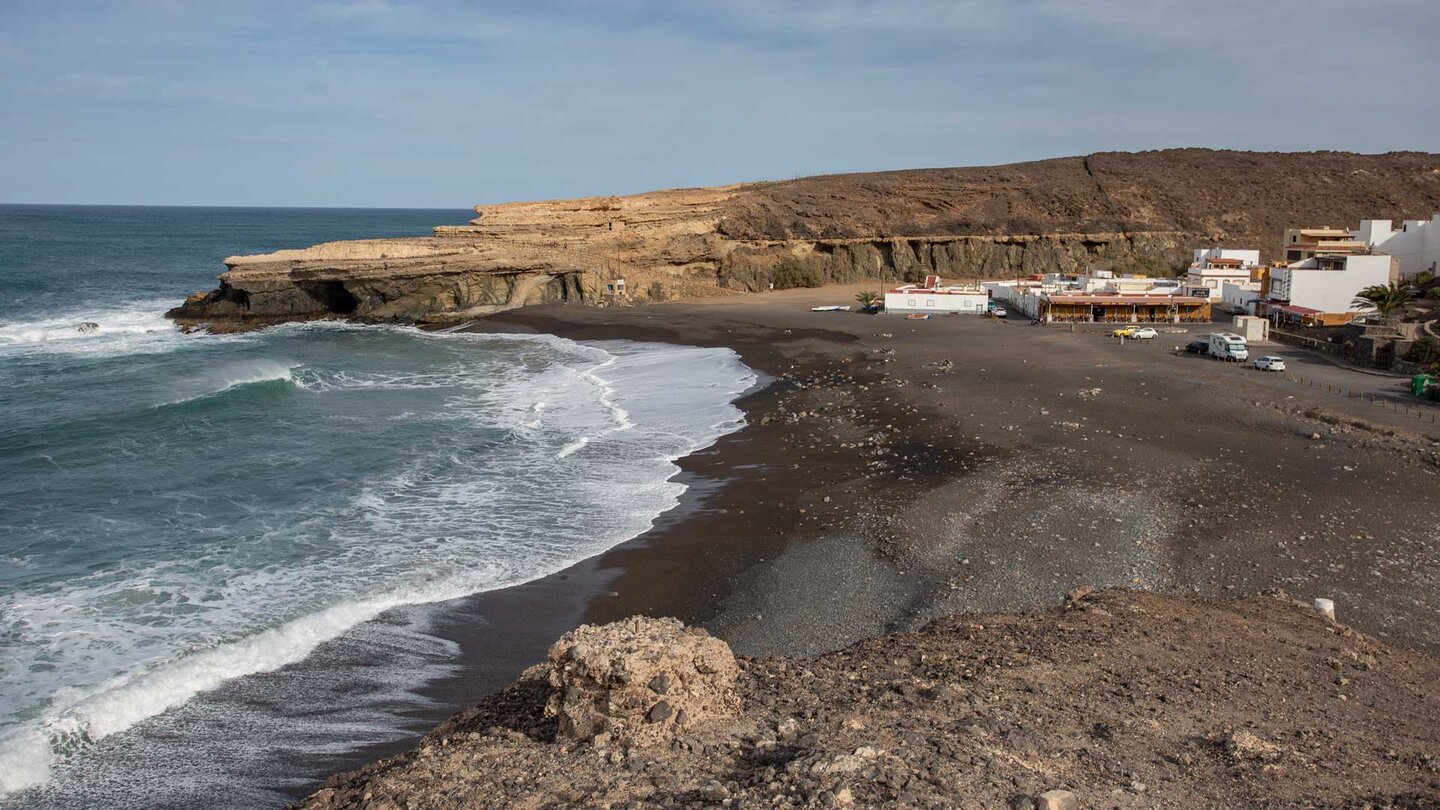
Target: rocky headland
[(1138, 212)]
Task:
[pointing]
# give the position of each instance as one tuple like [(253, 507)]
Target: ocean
[(223, 554)]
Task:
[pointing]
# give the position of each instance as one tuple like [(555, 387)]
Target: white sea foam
[(573, 447), (138, 326), (134, 642)]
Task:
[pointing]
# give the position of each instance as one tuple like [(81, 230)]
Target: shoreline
[(784, 544)]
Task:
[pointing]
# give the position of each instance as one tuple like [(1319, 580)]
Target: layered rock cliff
[(1130, 212)]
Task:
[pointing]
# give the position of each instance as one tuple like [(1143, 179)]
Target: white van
[(1228, 346)]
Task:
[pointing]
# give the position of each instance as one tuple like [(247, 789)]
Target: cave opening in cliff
[(331, 295)]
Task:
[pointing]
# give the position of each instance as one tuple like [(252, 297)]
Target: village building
[(1213, 268), (1122, 308), (1307, 243), (1101, 298), (1320, 291), (1240, 298), (933, 298), (1416, 244)]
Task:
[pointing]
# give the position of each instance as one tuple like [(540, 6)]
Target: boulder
[(636, 680), (1057, 800)]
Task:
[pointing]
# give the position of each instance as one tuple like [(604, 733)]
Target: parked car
[(999, 312), (1200, 347), (1135, 333), (1270, 363)]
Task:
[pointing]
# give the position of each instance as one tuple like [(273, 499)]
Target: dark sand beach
[(894, 471)]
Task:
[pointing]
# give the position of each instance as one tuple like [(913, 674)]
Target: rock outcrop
[(636, 681), (1131, 212)]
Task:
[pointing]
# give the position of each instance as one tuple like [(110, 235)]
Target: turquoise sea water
[(181, 514)]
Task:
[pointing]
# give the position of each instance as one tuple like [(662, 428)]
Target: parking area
[(1377, 395)]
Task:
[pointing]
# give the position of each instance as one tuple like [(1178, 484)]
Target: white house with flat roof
[(1416, 244), (1240, 298), (1327, 284), (1213, 268), (916, 298)]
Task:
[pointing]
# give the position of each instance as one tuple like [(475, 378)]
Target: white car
[(999, 312), (1270, 363), (1143, 333)]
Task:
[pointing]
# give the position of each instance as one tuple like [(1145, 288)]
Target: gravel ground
[(1118, 700)]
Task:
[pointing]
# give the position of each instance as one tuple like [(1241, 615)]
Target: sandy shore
[(897, 470), (879, 485)]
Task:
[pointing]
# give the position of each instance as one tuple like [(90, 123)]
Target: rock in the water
[(605, 679), (88, 327)]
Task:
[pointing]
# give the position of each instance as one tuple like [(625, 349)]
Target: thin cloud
[(445, 102)]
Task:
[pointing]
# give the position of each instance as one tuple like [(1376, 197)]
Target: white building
[(915, 298), (1416, 244), (1100, 297), (1213, 268), (1327, 284), (1240, 298), (1246, 258)]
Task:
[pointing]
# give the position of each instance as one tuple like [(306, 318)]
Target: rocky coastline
[(1139, 212)]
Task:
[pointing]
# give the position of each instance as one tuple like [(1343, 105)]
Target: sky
[(384, 103)]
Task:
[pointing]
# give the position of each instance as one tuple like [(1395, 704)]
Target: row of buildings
[(1101, 297), (1323, 270), (1315, 284)]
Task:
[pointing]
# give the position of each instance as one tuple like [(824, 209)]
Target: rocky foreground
[(1139, 212), (1116, 699)]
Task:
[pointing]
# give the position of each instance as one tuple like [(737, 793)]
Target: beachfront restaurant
[(1114, 308)]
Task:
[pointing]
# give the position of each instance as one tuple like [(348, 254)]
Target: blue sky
[(447, 104)]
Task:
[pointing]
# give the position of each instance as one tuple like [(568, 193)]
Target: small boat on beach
[(918, 316), (830, 309)]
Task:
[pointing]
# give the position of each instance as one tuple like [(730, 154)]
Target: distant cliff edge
[(1138, 212)]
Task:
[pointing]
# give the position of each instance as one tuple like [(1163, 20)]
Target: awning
[(1127, 300), (1293, 310)]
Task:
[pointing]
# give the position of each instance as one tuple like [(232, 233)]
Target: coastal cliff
[(1139, 212)]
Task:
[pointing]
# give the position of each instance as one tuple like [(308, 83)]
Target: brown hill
[(1239, 196)]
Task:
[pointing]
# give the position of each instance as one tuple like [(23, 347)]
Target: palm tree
[(1388, 300), (868, 299)]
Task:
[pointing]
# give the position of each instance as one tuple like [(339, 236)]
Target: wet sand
[(895, 470)]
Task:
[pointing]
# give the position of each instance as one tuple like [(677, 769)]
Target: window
[(910, 302), (929, 302)]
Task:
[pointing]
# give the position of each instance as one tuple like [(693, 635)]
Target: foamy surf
[(462, 451), (134, 327)]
